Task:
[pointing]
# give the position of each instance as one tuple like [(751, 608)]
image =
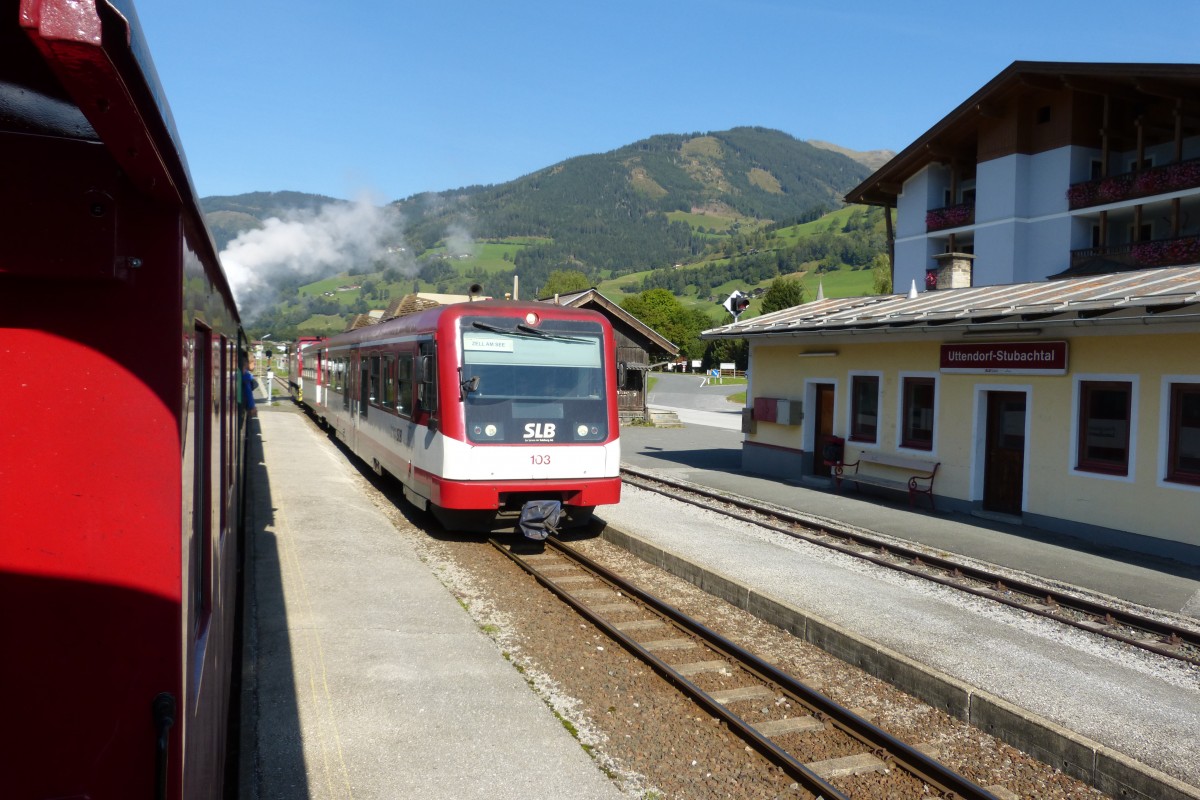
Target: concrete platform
[(1127, 723), (364, 677), (707, 451)]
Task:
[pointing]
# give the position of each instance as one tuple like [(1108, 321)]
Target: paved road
[(697, 401)]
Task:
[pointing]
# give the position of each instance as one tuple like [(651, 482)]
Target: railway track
[(829, 750), (1159, 636)]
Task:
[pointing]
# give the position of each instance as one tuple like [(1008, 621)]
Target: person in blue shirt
[(249, 384)]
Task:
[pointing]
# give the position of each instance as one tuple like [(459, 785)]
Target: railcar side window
[(375, 390), (200, 556), (427, 388), (389, 382), (404, 384), (345, 384)]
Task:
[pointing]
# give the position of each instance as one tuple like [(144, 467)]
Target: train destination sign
[(1008, 358)]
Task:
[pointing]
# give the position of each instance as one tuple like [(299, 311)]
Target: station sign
[(1005, 358)]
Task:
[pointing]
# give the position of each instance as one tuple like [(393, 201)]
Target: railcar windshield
[(525, 383)]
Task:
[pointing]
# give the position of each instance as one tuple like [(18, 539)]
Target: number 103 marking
[(539, 459)]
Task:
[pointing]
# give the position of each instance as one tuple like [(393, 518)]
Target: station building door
[(825, 394), (1004, 453)]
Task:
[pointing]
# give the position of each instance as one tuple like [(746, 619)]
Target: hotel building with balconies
[(1040, 361), (1051, 170)]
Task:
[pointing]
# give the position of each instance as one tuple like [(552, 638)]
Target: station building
[(1045, 358)]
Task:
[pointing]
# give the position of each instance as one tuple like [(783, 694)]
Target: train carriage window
[(363, 386), (427, 388), (200, 551), (223, 381), (374, 390), (389, 382), (404, 384)]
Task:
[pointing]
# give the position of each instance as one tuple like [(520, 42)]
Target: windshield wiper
[(554, 336), (494, 329), (524, 330)]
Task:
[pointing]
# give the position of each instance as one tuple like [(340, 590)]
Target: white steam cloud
[(459, 241), (306, 246)]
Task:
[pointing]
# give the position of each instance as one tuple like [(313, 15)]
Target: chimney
[(953, 270)]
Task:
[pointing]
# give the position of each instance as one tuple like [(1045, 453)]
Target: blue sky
[(392, 98)]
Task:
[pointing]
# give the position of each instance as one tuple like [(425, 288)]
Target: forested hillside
[(697, 215), (618, 212)]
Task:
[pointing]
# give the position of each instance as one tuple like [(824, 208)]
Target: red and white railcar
[(121, 447), (479, 408), (303, 376)]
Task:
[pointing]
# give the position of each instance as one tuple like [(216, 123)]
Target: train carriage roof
[(81, 70)]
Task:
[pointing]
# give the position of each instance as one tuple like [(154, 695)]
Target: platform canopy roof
[(1143, 297)]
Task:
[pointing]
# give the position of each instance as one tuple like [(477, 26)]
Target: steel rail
[(915, 762), (1047, 600), (796, 770), (883, 744)]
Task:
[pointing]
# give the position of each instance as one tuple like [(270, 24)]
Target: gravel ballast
[(650, 739)]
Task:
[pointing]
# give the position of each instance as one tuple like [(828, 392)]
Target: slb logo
[(539, 430)]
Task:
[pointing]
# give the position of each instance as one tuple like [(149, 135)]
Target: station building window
[(1104, 435), (864, 408), (1183, 444), (918, 396)]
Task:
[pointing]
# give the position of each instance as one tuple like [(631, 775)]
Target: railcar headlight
[(585, 432), (481, 431)]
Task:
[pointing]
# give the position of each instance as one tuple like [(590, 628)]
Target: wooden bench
[(914, 474)]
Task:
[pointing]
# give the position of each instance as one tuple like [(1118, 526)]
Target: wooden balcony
[(939, 219), (1142, 255), (1133, 185)]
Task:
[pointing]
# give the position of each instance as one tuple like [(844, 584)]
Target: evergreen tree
[(782, 293)]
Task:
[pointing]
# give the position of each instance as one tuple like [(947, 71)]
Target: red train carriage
[(304, 370), (479, 408), (121, 451)]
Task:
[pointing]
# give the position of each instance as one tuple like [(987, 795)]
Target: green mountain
[(693, 213), (619, 211)]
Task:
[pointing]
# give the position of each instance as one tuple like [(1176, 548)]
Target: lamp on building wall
[(1011, 333), (818, 354)]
